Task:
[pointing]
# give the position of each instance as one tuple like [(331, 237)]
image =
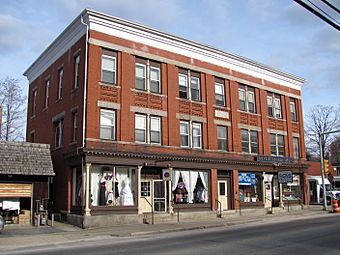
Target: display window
[(250, 187), (113, 186), (190, 187), (292, 191)]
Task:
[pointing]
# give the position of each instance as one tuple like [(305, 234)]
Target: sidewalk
[(28, 236)]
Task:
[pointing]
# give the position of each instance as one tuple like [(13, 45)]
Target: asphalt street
[(310, 236)]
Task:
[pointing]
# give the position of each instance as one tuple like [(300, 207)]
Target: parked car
[(2, 223), (332, 194)]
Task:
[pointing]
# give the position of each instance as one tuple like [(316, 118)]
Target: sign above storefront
[(246, 179), (285, 177), (274, 159)]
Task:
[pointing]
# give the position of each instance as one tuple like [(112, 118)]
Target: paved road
[(311, 236)]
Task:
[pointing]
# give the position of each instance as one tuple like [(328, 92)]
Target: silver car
[(2, 223)]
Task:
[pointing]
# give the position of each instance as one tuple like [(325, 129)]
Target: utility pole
[(321, 139)]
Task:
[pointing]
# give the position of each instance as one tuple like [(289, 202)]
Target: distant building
[(25, 169), (135, 115)]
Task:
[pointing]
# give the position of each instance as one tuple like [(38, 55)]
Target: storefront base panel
[(109, 220)]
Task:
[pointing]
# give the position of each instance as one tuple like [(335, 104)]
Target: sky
[(281, 34)]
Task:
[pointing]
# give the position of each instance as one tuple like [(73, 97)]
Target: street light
[(323, 166)]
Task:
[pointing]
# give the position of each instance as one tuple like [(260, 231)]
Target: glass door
[(159, 196)]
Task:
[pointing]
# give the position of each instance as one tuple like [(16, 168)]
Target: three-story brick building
[(137, 117)]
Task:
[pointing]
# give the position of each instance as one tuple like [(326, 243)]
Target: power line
[(319, 13)]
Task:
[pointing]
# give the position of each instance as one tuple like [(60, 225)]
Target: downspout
[(85, 78), (84, 203)]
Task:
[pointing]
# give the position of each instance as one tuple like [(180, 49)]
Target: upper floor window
[(148, 129), (47, 92), (274, 105), (58, 135), (109, 65), (107, 124), (191, 134), (76, 71), (219, 94), (60, 83), (34, 104), (148, 75), (277, 145), (189, 85), (74, 126), (292, 106), (296, 147), (249, 141), (222, 138), (247, 98)]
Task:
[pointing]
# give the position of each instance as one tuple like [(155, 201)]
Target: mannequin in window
[(126, 196), (180, 193), (200, 192)]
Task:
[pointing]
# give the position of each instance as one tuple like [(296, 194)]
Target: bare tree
[(320, 119), (12, 105)]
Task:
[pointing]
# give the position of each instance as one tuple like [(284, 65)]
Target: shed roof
[(22, 158)]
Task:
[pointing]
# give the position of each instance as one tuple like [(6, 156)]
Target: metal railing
[(152, 212), (220, 206), (177, 212), (288, 200)]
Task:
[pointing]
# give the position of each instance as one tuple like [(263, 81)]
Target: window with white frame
[(108, 70), (249, 139), (247, 98), (292, 106), (191, 134), (277, 145), (148, 76), (58, 135), (189, 85), (107, 124), (183, 86), (47, 92), (222, 138), (184, 133), (219, 94), (76, 71), (74, 126), (60, 82), (274, 105), (296, 147), (148, 129), (34, 104), (155, 130)]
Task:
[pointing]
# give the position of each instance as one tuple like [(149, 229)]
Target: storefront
[(250, 188)]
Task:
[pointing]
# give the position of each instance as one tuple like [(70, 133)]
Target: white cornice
[(150, 37), (138, 33)]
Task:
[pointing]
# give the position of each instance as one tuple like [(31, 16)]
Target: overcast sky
[(280, 34)]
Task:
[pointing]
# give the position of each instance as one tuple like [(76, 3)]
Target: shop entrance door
[(223, 194), (159, 196), (145, 196)]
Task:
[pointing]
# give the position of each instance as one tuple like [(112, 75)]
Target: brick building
[(137, 116)]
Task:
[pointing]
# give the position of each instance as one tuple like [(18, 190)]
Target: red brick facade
[(126, 100)]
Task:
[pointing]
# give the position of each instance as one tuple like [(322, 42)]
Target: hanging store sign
[(246, 179), (285, 177)]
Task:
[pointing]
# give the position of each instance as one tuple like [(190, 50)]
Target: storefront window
[(292, 191), (112, 186), (250, 187), (190, 187), (78, 190)]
